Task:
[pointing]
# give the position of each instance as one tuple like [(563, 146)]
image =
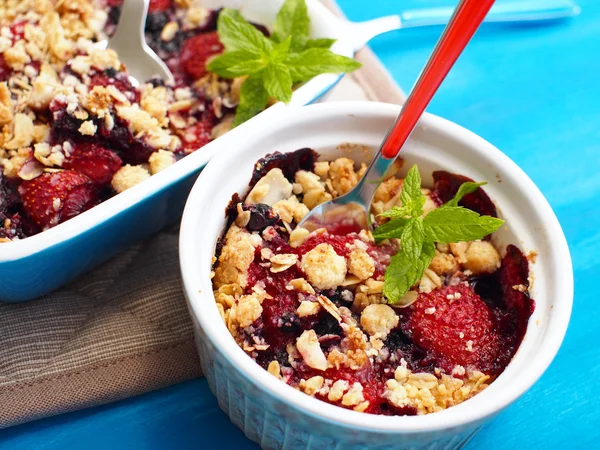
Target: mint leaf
[(280, 51), (403, 272), (412, 238), (389, 230), (447, 224), (253, 98), (466, 188), (396, 211), (320, 43), (235, 33), (411, 195), (236, 63), (292, 21), (278, 82), (315, 61), (455, 224)]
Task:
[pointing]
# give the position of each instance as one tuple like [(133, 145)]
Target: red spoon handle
[(462, 26)]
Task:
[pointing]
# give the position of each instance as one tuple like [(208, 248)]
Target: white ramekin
[(277, 416)]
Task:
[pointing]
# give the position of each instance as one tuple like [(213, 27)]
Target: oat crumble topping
[(310, 308)]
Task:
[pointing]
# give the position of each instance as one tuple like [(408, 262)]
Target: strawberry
[(197, 50), (159, 5), (456, 325), (53, 198), (94, 161)]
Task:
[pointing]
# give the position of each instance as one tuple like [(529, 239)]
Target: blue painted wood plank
[(533, 92), (182, 416)]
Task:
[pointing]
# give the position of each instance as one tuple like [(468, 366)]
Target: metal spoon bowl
[(129, 41)]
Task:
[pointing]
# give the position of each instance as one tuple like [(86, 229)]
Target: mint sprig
[(418, 235), (292, 22), (273, 64)]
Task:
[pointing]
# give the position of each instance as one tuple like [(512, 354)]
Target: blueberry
[(156, 21), (4, 201), (328, 325), (397, 339), (340, 296), (261, 216), (114, 14), (290, 322), (156, 81), (289, 163), (64, 126), (111, 72), (170, 47)]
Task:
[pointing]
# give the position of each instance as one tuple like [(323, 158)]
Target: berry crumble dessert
[(75, 130), (344, 314)]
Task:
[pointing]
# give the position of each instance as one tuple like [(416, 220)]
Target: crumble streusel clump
[(309, 306), (69, 111)]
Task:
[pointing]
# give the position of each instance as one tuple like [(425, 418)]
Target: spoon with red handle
[(356, 204)]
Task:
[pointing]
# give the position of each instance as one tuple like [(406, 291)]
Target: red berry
[(197, 50), (94, 161), (201, 136), (5, 71), (515, 272), (456, 325), (120, 80), (159, 5), (53, 198), (17, 30)]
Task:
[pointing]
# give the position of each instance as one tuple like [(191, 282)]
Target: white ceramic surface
[(276, 415)]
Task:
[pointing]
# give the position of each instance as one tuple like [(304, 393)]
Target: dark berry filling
[(458, 334)]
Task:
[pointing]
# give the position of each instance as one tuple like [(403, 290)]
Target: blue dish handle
[(512, 11), (505, 12)]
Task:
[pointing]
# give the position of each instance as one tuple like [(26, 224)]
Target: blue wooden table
[(535, 93)]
